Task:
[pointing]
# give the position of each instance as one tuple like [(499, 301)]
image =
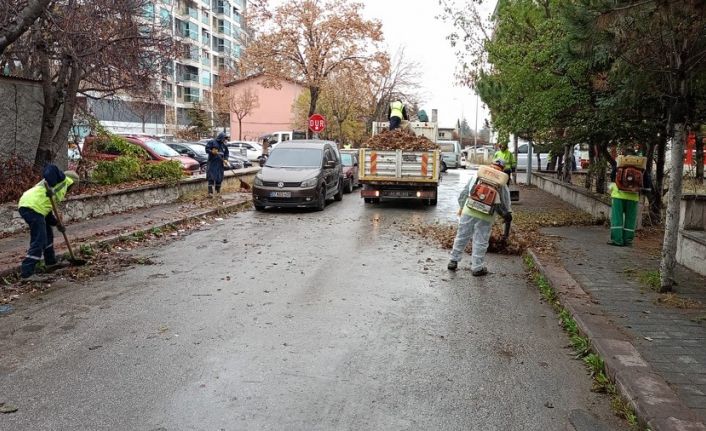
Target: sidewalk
[(654, 345), (14, 247)]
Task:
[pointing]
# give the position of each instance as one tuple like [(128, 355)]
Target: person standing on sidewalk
[(508, 158), (36, 210), (476, 224), (217, 161)]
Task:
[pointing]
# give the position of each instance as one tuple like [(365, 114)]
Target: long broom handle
[(58, 219)]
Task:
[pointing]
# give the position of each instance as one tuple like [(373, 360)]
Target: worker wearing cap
[(508, 159), (36, 210), (217, 151), (396, 113), (477, 225)]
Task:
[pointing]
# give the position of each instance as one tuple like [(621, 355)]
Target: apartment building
[(211, 34)]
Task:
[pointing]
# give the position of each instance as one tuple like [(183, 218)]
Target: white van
[(450, 154), (276, 137)]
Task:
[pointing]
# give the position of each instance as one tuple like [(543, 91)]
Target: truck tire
[(432, 202), (349, 186)]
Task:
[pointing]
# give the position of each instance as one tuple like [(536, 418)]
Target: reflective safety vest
[(396, 109), (507, 157), (36, 198), (616, 193)]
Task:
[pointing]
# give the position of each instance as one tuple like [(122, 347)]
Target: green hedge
[(113, 144), (128, 168)]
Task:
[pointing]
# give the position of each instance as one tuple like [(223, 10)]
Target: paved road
[(300, 321)]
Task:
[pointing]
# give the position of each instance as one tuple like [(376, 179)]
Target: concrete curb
[(111, 239), (654, 401)]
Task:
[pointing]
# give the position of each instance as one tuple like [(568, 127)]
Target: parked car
[(253, 150), (156, 152), (349, 160), (303, 173), (275, 138), (191, 149)]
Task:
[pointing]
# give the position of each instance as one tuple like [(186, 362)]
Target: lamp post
[(475, 134)]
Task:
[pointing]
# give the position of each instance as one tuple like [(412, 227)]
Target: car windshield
[(447, 148), (299, 135), (198, 148), (295, 158), (162, 149), (347, 159)]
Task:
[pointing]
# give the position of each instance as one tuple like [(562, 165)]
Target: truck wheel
[(368, 200), (375, 200), (339, 193), (349, 186), (432, 202)]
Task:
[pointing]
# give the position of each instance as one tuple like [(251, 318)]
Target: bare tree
[(242, 104), (97, 49), (401, 80), (16, 17), (308, 40)]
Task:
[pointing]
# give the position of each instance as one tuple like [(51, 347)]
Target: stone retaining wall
[(83, 207), (593, 203), (691, 243)]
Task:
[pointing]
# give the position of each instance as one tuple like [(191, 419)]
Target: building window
[(205, 78), (165, 17)]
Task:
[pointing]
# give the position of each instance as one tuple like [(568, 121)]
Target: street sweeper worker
[(508, 158), (396, 113), (485, 195), (217, 161), (36, 210), (628, 178)]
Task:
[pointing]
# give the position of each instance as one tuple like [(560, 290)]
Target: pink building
[(275, 111)]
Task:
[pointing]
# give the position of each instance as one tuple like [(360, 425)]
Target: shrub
[(170, 171), (120, 170), (16, 176), (113, 144)]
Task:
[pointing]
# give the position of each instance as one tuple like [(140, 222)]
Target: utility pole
[(475, 135)]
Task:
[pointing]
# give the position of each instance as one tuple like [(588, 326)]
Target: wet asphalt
[(296, 320)]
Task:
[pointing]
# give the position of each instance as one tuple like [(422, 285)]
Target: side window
[(248, 146), (328, 156), (285, 137)]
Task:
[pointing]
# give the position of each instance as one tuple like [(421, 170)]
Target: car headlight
[(258, 180), (311, 182)]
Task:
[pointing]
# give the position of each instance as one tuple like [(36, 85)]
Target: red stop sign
[(317, 123)]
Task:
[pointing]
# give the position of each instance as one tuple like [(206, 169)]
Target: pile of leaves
[(16, 176), (523, 235), (399, 140)]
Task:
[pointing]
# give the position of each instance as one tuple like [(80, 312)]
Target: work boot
[(452, 266), (480, 272)]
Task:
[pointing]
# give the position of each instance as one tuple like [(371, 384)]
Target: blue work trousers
[(41, 240)]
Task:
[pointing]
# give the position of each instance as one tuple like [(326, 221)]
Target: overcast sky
[(412, 24)]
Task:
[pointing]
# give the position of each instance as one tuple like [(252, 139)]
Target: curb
[(111, 239), (654, 401)]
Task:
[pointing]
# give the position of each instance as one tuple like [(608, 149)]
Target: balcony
[(189, 77)]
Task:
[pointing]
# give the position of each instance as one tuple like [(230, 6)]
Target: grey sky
[(412, 24)]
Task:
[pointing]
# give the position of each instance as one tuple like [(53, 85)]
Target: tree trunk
[(314, 98), (601, 174), (568, 165), (591, 168), (671, 225), (539, 162), (53, 91), (240, 128), (699, 160), (657, 205), (61, 136)]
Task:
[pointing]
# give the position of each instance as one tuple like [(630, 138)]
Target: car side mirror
[(191, 154)]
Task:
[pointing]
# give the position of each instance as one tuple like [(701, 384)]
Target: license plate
[(480, 206), (396, 193), (280, 194)]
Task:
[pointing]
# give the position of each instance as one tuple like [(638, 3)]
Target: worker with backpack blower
[(628, 178), (485, 195)]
